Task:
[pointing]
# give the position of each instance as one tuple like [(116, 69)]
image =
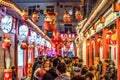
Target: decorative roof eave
[(13, 6), (97, 10)]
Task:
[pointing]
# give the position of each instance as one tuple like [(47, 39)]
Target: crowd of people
[(51, 68)]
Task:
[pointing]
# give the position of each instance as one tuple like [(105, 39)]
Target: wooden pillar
[(87, 53), (33, 54), (97, 46), (91, 59), (105, 45), (16, 46), (25, 62), (105, 49), (118, 47)]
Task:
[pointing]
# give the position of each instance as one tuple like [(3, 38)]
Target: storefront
[(102, 39), (19, 47)]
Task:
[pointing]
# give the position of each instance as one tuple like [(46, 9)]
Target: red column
[(97, 49), (33, 54), (16, 46), (105, 45), (91, 59), (25, 62), (87, 53), (105, 48), (118, 46)]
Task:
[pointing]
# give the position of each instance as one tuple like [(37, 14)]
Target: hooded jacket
[(63, 77)]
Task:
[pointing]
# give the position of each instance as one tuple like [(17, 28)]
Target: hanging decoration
[(38, 47), (108, 40), (6, 42), (89, 31), (94, 27), (24, 14), (78, 15), (114, 38), (66, 17), (49, 23), (7, 74), (102, 19), (56, 33), (116, 7), (35, 16), (55, 43), (85, 35), (24, 45), (29, 70)]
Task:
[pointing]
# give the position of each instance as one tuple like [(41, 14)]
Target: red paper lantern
[(89, 31), (85, 35), (24, 14), (56, 33), (102, 19), (24, 45), (94, 27), (116, 7), (49, 23), (66, 17), (60, 45), (35, 16), (6, 42), (78, 15), (55, 41), (48, 26)]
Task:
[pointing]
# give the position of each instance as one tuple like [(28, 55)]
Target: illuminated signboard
[(70, 36), (23, 32), (6, 23)]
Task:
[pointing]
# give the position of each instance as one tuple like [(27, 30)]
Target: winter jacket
[(63, 77)]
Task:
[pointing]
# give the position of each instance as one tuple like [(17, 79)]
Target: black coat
[(14, 77), (34, 68), (50, 75)]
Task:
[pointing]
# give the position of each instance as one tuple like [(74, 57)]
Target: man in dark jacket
[(61, 68), (51, 74), (37, 64), (14, 76)]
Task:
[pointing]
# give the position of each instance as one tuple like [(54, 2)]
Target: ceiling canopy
[(36, 1)]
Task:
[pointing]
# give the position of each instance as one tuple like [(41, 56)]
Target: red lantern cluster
[(35, 16), (78, 15), (25, 14), (49, 23), (55, 42), (66, 17), (56, 33), (6, 42)]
